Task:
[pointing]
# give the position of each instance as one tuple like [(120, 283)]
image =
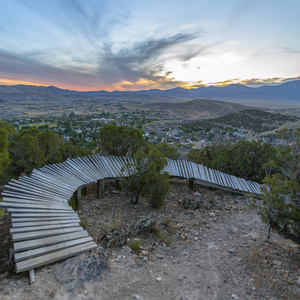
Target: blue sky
[(133, 45)]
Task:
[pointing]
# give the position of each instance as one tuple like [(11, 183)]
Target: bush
[(135, 246)]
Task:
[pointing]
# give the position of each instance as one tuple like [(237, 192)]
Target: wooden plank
[(34, 207), (42, 227), (44, 219), (52, 257), (30, 197), (42, 223), (45, 250), (43, 242), (40, 210), (41, 215), (34, 201), (17, 237)]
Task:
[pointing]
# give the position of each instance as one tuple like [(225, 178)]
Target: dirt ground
[(194, 249)]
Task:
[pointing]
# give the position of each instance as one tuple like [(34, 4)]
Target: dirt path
[(205, 261)]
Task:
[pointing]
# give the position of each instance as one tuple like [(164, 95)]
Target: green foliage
[(252, 119), (8, 128), (120, 140), (280, 207), (72, 203), (33, 148), (135, 246), (145, 176), (4, 158), (84, 223), (162, 236), (168, 150), (245, 159)]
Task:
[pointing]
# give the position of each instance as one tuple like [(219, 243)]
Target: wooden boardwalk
[(45, 228)]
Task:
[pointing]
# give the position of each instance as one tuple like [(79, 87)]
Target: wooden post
[(191, 184), (84, 190), (77, 196), (31, 276), (118, 184), (100, 189)]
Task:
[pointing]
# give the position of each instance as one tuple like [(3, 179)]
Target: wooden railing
[(46, 229)]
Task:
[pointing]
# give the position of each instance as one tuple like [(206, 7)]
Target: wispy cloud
[(142, 61)]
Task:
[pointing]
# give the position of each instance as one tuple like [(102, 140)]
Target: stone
[(232, 251), (298, 282), (74, 271), (197, 194), (234, 296), (158, 279), (144, 253), (277, 263)]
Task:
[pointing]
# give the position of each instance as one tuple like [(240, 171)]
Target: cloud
[(21, 67), (256, 82), (143, 60)]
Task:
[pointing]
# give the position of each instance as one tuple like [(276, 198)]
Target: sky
[(134, 44)]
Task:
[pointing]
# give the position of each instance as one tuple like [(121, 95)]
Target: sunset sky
[(133, 45)]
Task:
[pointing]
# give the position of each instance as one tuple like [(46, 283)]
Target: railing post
[(118, 184), (100, 189), (77, 196), (191, 184), (84, 190)]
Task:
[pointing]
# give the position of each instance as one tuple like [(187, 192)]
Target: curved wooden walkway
[(45, 228)]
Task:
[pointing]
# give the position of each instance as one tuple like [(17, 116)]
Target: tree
[(120, 140), (168, 150), (25, 154), (144, 176), (244, 159), (280, 207), (4, 158)]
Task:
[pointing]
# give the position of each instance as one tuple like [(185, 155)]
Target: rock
[(234, 296), (298, 282), (144, 253), (76, 270), (144, 225), (197, 194), (160, 256), (158, 279), (277, 263), (232, 251)]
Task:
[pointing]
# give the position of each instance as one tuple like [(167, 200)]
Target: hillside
[(255, 120), (289, 92), (200, 108), (204, 258)]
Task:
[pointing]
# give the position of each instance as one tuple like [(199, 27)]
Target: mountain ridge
[(286, 91)]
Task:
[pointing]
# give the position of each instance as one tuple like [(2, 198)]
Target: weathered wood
[(41, 227), (45, 250), (52, 257), (191, 184), (43, 233), (77, 198), (84, 190), (31, 276), (100, 189), (43, 242), (42, 223), (44, 219)]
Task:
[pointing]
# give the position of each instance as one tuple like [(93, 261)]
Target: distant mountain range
[(289, 91)]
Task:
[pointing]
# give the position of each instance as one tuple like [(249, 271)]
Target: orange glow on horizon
[(125, 85)]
